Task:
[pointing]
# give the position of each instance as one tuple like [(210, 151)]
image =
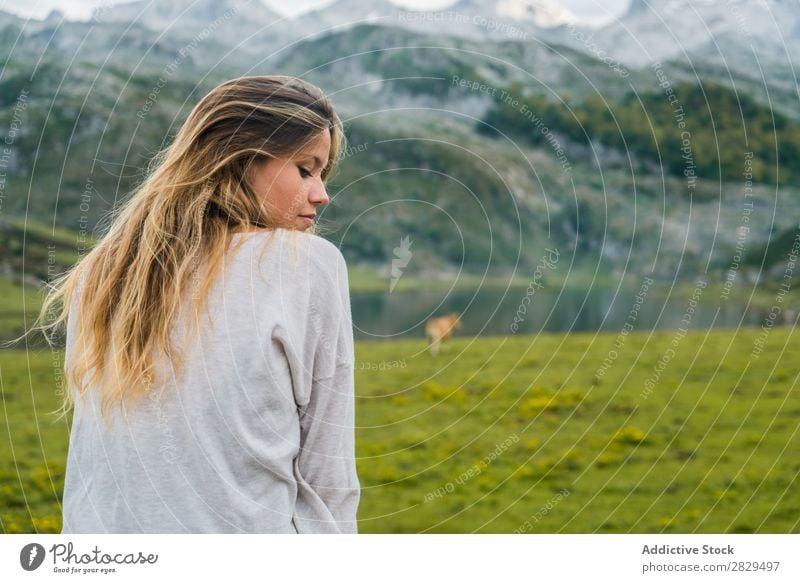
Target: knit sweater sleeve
[(326, 461)]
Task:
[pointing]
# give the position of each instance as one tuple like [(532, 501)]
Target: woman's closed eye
[(304, 173)]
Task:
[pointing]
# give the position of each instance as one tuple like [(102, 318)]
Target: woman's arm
[(327, 423), (327, 451)]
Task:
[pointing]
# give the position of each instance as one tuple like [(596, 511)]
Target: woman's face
[(292, 187)]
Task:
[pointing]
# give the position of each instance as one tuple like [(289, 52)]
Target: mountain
[(472, 19), (542, 13), (190, 16), (101, 134), (419, 105), (724, 33), (343, 14), (153, 36), (248, 25)]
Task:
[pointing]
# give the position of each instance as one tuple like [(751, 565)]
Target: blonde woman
[(209, 336)]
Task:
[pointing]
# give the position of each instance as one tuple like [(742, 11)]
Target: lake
[(493, 310)]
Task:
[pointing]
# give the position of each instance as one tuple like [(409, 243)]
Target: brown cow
[(439, 329)]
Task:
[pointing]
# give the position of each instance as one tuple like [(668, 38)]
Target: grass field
[(520, 434)]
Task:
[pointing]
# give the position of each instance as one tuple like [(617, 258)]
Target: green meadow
[(519, 433)]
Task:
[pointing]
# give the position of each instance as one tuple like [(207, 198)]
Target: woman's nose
[(319, 195)]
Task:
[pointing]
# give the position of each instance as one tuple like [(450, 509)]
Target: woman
[(238, 416)]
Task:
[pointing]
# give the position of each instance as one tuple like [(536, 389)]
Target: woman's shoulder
[(320, 246), (307, 248)]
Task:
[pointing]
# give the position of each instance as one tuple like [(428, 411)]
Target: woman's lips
[(308, 218)]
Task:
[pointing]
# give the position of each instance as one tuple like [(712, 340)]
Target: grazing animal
[(439, 329)]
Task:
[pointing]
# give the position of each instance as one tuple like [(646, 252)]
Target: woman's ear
[(251, 167)]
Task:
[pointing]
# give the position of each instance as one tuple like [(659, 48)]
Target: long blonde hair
[(196, 192)]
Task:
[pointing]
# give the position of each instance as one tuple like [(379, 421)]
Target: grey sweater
[(258, 436)]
